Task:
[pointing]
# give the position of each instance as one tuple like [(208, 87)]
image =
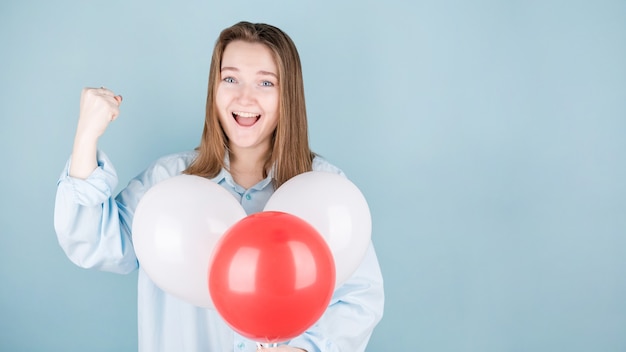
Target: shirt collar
[(224, 175)]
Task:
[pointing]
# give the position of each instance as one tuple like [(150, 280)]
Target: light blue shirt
[(94, 230)]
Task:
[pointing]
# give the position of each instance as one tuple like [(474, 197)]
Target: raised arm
[(98, 107), (91, 226)]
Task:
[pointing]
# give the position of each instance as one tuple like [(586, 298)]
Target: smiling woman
[(247, 104), (290, 153), (255, 139)]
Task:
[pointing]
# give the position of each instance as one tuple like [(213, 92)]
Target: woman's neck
[(247, 166)]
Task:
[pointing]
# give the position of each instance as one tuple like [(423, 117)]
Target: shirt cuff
[(96, 188)]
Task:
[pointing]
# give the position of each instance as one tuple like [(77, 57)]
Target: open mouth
[(246, 118)]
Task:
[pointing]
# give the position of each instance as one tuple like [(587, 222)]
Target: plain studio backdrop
[(489, 138)]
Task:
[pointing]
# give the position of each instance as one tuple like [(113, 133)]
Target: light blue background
[(489, 138)]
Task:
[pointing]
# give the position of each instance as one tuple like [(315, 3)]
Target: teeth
[(245, 114)]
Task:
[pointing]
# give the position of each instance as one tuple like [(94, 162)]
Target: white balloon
[(336, 208), (176, 225)]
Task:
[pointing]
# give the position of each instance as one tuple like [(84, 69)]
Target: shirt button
[(241, 345), (248, 196)]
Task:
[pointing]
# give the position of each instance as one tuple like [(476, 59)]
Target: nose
[(246, 94)]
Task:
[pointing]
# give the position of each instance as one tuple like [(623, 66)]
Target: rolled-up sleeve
[(88, 222)]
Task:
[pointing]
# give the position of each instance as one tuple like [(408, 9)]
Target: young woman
[(254, 139)]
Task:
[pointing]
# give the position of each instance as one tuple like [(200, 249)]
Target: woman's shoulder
[(171, 164), (321, 164), (184, 157)]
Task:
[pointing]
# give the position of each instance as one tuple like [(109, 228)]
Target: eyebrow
[(261, 72)]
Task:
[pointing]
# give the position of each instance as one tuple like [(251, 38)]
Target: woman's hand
[(98, 107), (283, 348)]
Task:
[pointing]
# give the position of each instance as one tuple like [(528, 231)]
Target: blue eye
[(229, 80), (267, 84)]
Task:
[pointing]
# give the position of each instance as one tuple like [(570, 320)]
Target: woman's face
[(247, 95)]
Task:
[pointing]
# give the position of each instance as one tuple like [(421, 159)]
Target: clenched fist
[(98, 107)]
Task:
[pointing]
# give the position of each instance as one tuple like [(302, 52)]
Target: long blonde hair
[(290, 153)]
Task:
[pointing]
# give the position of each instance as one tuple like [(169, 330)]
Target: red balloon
[(271, 276)]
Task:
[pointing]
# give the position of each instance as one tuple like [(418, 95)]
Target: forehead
[(248, 56)]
